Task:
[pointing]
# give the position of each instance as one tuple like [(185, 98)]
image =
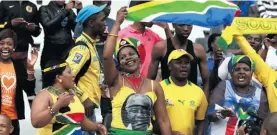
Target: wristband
[(51, 111), (114, 35)]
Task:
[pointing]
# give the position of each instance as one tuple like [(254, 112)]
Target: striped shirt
[(267, 8)]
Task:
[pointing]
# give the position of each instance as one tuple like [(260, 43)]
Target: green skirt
[(117, 131)]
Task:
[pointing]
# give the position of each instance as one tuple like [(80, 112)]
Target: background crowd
[(142, 83)]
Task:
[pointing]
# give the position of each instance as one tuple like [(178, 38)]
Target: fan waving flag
[(205, 13)]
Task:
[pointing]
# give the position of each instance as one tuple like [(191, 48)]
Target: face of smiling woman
[(129, 60)]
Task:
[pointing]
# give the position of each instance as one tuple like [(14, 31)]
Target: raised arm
[(263, 71), (158, 52), (264, 51), (160, 110), (110, 70)]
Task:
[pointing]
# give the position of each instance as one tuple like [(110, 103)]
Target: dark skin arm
[(160, 110), (40, 113), (254, 11), (110, 70), (214, 79), (200, 127), (200, 52), (158, 53), (264, 51), (88, 125)]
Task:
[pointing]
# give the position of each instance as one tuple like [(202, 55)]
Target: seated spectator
[(231, 99), (57, 109), (6, 127), (133, 96), (185, 101), (14, 79)]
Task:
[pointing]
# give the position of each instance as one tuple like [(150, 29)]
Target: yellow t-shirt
[(132, 111), (67, 121), (264, 73), (8, 90), (77, 58), (184, 105)]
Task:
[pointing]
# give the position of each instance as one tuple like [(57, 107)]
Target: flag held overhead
[(202, 13)]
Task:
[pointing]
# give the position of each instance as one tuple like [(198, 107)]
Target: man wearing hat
[(84, 60), (185, 102)]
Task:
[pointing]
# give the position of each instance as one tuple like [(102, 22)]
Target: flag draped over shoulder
[(206, 13)]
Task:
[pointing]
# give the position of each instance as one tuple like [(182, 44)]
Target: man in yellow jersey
[(264, 73), (185, 102), (83, 58)]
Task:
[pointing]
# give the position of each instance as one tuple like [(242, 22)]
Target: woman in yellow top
[(57, 110), (133, 97)]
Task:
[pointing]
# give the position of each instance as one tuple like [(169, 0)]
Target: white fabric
[(271, 58), (223, 69)]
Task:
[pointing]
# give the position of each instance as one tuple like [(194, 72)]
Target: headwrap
[(54, 67), (241, 59), (127, 42)]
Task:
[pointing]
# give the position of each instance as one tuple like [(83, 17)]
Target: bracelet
[(30, 72), (114, 35), (51, 111)]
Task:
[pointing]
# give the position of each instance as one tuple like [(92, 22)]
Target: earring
[(13, 49), (60, 81)]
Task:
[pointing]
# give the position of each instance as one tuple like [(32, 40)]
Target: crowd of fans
[(143, 84)]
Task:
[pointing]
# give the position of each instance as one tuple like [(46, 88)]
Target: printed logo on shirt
[(8, 82), (181, 101), (95, 58), (275, 84), (11, 6), (192, 103), (83, 47), (29, 9), (169, 102), (77, 58)]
